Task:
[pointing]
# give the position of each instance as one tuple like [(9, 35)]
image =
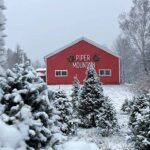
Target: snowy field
[(117, 93), (90, 139)]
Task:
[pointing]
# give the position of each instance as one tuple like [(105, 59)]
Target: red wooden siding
[(59, 61)]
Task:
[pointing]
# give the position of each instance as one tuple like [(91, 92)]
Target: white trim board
[(61, 73), (105, 72), (78, 40)]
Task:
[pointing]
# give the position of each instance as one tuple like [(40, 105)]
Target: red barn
[(73, 59)]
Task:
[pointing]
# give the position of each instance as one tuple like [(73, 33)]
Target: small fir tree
[(106, 118), (139, 122), (27, 104), (90, 98), (94, 108), (75, 94), (127, 106), (64, 108)]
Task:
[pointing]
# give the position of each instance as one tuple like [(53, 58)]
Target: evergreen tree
[(140, 122), (75, 94), (2, 36), (90, 98), (127, 106), (94, 108), (64, 108), (27, 104), (106, 118)]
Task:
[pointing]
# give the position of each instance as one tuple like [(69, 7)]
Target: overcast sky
[(42, 26)]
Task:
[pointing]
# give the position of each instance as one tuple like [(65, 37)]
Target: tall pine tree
[(90, 98), (2, 36), (64, 107), (139, 122), (95, 110), (75, 94)]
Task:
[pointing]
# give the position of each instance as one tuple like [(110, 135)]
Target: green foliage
[(106, 118), (75, 94), (127, 106), (27, 105), (95, 110), (64, 107), (140, 122)]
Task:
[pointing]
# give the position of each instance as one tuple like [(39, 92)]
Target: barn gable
[(72, 60), (77, 41)]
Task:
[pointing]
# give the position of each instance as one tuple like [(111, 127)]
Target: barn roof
[(78, 40), (41, 69)]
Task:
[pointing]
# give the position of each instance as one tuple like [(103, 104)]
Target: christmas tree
[(127, 106), (140, 122), (64, 107), (75, 94), (27, 104), (95, 110)]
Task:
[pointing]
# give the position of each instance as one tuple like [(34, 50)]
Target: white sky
[(42, 26)]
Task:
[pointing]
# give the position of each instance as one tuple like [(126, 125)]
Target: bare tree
[(136, 26), (128, 59), (17, 56), (38, 64)]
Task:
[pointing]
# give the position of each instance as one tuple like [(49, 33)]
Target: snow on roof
[(40, 74), (78, 40), (41, 69)]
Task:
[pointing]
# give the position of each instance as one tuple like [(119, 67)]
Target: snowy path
[(89, 139)]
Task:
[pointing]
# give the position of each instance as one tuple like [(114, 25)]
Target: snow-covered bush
[(140, 122), (64, 107), (127, 106), (26, 103), (95, 110)]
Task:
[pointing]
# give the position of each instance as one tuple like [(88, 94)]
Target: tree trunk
[(145, 64)]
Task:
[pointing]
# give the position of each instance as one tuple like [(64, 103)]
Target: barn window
[(61, 73), (105, 72)]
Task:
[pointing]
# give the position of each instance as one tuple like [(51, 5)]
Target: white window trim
[(61, 73), (105, 74)]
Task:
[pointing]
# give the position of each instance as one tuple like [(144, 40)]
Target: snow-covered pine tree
[(106, 118), (64, 107), (2, 35), (27, 105), (139, 122), (90, 98), (95, 110), (127, 106), (75, 94)]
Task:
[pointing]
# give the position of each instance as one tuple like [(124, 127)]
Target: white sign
[(82, 61), (82, 64)]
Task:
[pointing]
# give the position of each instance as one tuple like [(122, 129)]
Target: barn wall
[(59, 61)]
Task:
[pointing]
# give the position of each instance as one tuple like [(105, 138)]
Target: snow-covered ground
[(90, 139), (10, 138), (117, 93)]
